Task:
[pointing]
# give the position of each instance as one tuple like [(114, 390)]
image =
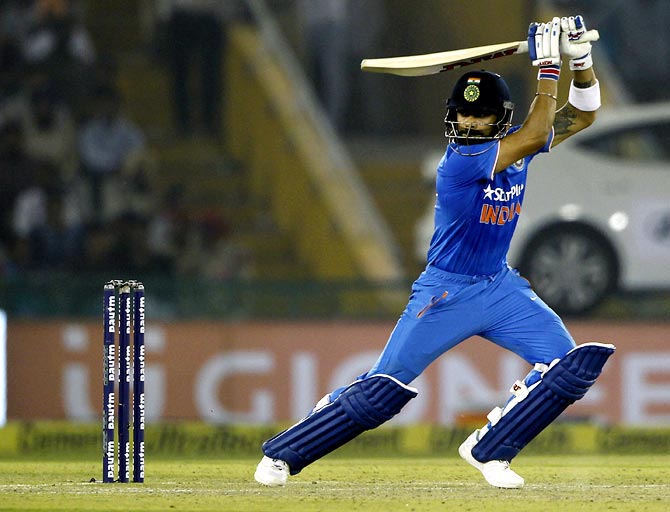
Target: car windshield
[(648, 142)]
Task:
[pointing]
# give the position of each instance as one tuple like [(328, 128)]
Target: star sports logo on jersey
[(500, 215), (499, 194)]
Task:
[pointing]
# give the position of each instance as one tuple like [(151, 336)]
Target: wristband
[(549, 72), (587, 99)]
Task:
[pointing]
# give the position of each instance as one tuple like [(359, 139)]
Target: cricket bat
[(432, 63)]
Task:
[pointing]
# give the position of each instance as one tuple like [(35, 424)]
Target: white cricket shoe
[(496, 472), (271, 472)]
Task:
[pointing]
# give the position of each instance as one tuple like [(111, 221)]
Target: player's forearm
[(543, 45), (534, 131), (584, 78), (584, 93), (584, 96), (540, 119), (571, 119)]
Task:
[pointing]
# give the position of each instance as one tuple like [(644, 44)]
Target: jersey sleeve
[(547, 146), (544, 149)]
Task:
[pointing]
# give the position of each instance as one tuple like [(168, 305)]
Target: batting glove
[(544, 48), (571, 46)]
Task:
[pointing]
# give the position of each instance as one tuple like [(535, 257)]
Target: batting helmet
[(479, 93)]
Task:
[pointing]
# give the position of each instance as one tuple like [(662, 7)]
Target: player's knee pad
[(535, 405), (363, 405)]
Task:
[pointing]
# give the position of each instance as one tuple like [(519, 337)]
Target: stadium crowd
[(78, 187)]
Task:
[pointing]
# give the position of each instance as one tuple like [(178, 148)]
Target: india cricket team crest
[(471, 92)]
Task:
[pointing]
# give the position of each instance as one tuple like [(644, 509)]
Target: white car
[(596, 213)]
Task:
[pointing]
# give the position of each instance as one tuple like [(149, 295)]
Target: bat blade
[(432, 63)]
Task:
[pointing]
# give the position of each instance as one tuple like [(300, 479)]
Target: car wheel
[(572, 268)]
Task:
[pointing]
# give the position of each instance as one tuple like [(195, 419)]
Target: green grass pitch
[(571, 483)]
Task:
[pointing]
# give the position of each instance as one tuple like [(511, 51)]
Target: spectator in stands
[(50, 136), (109, 145), (49, 131), (16, 17), (225, 257), (325, 39), (99, 244), (211, 250), (16, 174), (59, 242), (168, 228), (12, 68), (119, 247), (368, 111), (7, 266), (44, 225), (194, 36), (138, 188), (130, 253), (59, 46)]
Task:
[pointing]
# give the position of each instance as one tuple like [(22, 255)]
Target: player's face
[(476, 122)]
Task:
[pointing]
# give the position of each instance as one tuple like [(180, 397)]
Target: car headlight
[(618, 221)]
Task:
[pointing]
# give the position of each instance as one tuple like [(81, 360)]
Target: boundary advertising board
[(263, 373)]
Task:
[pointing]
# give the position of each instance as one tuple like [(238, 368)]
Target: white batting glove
[(544, 48), (579, 53)]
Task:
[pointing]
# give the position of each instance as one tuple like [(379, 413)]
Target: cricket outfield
[(574, 483), (576, 467)]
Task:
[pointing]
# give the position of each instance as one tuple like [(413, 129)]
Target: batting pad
[(364, 405), (563, 384)]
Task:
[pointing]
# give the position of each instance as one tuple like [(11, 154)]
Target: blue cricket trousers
[(445, 309)]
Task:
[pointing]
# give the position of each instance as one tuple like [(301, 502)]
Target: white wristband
[(587, 99)]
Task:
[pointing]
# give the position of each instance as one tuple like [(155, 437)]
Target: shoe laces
[(278, 464), (504, 464)]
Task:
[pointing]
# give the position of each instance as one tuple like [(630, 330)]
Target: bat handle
[(589, 35)]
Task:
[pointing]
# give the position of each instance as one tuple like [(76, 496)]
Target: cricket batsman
[(467, 287)]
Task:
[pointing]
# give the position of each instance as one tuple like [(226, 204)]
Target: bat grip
[(589, 35)]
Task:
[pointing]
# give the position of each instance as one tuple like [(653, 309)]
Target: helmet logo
[(471, 93)]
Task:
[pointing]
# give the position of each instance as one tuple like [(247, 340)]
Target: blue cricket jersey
[(476, 211)]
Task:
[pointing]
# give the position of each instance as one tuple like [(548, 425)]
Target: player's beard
[(469, 136), (467, 132)]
